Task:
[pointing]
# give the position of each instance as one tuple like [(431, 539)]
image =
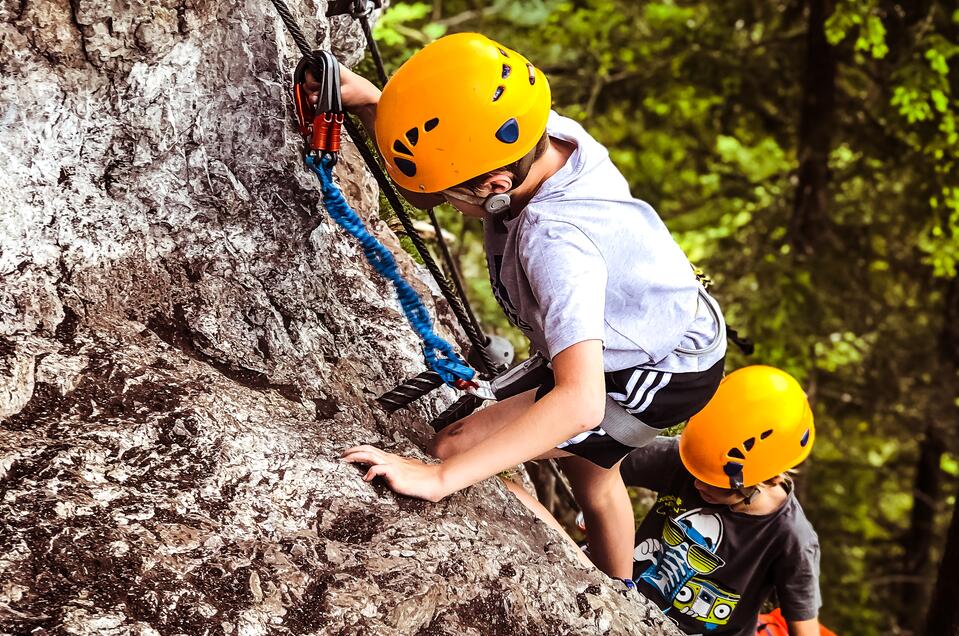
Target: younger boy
[(726, 529), (590, 274)]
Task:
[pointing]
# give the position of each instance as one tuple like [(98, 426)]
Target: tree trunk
[(187, 344), (815, 131), (943, 614), (918, 541), (943, 617)]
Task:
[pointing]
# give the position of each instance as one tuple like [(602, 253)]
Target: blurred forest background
[(804, 153)]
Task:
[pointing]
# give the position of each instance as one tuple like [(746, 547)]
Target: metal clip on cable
[(320, 124)]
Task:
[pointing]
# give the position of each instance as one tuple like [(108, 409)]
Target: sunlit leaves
[(759, 162), (861, 17), (949, 464), (940, 239), (841, 349), (394, 29)]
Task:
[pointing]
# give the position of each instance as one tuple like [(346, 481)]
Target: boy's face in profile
[(465, 200)]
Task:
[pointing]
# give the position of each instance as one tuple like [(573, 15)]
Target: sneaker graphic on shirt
[(680, 562)]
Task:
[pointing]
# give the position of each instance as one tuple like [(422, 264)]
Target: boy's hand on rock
[(404, 475)]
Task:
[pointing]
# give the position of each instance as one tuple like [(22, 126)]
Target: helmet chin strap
[(748, 493), (494, 204), (500, 203)]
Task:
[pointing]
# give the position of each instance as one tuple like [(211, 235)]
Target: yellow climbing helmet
[(756, 426), (460, 107)]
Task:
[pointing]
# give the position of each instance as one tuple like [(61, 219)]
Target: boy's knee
[(603, 492)]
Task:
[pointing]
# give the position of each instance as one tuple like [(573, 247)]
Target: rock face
[(187, 343)]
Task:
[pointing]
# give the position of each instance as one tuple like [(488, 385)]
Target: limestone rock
[(187, 343)]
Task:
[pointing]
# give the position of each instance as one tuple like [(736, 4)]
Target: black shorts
[(655, 398)]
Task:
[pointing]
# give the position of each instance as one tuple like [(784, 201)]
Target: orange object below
[(326, 130), (773, 624)]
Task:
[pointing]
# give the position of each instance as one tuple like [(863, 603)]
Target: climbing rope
[(477, 340), (311, 58), (439, 354), (360, 10), (453, 271)]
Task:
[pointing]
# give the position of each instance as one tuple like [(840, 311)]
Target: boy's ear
[(498, 182)]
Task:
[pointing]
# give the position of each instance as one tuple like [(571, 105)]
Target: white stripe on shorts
[(651, 394), (634, 394), (579, 438)]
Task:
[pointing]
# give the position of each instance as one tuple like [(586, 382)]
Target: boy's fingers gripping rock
[(364, 455), (377, 470)]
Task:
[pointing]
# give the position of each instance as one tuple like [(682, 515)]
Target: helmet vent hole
[(766, 434), (406, 166), (805, 438), (431, 124), (400, 148), (413, 135), (532, 73), (506, 70), (735, 452), (748, 444), (502, 52), (509, 132), (499, 92)]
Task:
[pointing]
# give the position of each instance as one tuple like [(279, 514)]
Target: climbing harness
[(483, 347), (321, 129), (320, 125), (744, 344)]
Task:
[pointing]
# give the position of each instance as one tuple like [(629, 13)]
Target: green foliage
[(949, 465), (699, 105), (863, 17), (403, 29)]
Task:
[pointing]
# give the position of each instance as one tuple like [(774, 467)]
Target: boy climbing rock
[(590, 274)]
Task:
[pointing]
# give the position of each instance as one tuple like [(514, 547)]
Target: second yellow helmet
[(460, 107), (756, 426)]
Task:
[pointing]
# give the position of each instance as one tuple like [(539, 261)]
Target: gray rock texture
[(187, 343)]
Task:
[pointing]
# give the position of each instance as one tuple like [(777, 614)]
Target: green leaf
[(434, 31), (872, 38), (949, 464), (939, 99)]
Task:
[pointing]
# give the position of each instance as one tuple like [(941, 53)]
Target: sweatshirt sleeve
[(567, 275)]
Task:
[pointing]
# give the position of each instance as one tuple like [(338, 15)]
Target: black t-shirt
[(708, 568)]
